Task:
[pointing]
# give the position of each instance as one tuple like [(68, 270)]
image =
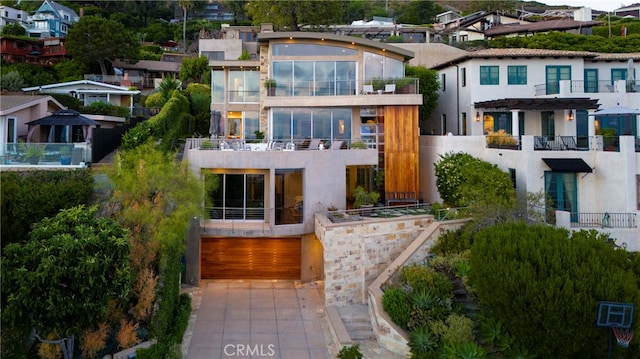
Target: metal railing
[(346, 87), (603, 220), (579, 143)]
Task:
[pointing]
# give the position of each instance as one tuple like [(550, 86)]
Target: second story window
[(618, 74), (489, 75), (517, 75)]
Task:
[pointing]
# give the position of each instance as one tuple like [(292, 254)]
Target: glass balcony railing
[(345, 87), (44, 154)]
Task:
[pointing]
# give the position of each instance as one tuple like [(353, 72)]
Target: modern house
[(51, 20), (312, 96), (146, 75), (632, 10), (563, 123)]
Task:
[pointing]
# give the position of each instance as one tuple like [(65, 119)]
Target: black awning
[(539, 104), (567, 165)]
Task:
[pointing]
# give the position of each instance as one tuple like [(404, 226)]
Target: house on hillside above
[(9, 15), (562, 123), (44, 52), (88, 92), (51, 20), (144, 74), (629, 10), (17, 110)]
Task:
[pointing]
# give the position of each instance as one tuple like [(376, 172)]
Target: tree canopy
[(428, 87), (195, 69), (61, 279), (94, 39), (293, 15), (565, 41), (545, 283)]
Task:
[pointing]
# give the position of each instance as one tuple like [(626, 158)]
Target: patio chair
[(336, 145), (313, 145), (390, 88), (368, 89), (540, 143)]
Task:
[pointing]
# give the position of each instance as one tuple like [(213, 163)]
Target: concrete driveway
[(257, 319)]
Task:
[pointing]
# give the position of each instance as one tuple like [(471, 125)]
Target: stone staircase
[(357, 322)]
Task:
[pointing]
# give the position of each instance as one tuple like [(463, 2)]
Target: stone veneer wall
[(355, 253), (389, 335)]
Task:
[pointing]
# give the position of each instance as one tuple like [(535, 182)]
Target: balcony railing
[(360, 214), (346, 87), (501, 141), (230, 144), (44, 154), (579, 143), (603, 220)]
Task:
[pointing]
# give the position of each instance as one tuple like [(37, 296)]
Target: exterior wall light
[(477, 116)]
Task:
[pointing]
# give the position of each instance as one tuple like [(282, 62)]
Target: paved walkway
[(257, 319)]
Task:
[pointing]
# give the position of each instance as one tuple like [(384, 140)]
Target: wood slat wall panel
[(250, 258), (401, 149)]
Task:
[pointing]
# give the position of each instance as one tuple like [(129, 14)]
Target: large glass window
[(489, 75), (378, 66), (517, 75), (302, 123), (495, 121), (315, 78), (217, 87), (244, 86), (311, 50), (242, 124), (289, 196), (234, 196)]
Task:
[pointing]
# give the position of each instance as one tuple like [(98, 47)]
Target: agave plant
[(423, 343), (470, 350)]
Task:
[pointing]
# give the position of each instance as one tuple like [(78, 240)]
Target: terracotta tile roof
[(619, 56), (523, 52), (516, 52)]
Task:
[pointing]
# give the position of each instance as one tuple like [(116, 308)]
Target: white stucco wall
[(611, 187)]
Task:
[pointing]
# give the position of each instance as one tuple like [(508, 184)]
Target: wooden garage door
[(250, 258)]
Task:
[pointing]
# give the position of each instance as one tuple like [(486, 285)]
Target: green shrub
[(539, 279), (458, 329), (420, 277), (29, 196), (451, 242), (423, 343), (469, 350), (137, 135), (396, 303), (350, 352)]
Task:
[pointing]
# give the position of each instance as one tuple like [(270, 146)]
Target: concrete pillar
[(515, 123)]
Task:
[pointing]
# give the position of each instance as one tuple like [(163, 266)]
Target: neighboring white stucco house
[(588, 165)]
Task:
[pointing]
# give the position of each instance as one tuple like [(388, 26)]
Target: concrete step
[(357, 322)]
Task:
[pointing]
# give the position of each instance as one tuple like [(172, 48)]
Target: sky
[(604, 5)]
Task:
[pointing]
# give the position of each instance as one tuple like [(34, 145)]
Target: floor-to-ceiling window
[(243, 124), (289, 198), (235, 196), (244, 86), (590, 80), (295, 124), (562, 191), (548, 124), (554, 74)]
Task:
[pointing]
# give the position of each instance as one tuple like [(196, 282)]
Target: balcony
[(44, 155), (581, 87), (603, 220), (407, 86)]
